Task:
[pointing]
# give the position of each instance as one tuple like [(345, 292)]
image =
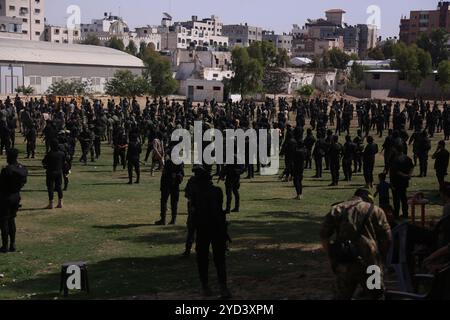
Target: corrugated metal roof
[(22, 51)]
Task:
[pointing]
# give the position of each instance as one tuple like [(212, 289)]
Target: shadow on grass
[(123, 226)]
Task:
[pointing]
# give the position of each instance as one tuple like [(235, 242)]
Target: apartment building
[(242, 34), (32, 14)]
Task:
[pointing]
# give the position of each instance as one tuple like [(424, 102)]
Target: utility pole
[(12, 78)]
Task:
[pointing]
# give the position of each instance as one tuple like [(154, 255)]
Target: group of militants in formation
[(131, 128)]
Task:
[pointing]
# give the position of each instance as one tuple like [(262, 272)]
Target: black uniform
[(133, 158), (210, 224), (231, 173), (334, 156), (12, 179), (400, 163), (347, 159), (441, 157), (319, 154), (30, 136), (171, 179), (369, 154), (298, 167), (54, 165)]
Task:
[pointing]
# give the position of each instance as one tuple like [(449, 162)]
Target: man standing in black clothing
[(359, 143), (210, 224), (12, 179), (298, 167), (120, 145), (441, 157), (348, 157), (30, 137), (172, 177), (369, 154), (423, 149), (318, 154), (54, 164), (400, 172), (133, 155), (334, 156), (231, 173), (309, 142)]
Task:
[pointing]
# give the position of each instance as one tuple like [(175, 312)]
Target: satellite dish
[(168, 16)]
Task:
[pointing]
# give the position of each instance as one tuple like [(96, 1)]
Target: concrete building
[(368, 39), (242, 34), (32, 14), (180, 37), (39, 64), (310, 47), (384, 84), (200, 90), (58, 34), (209, 26), (424, 21), (11, 28), (335, 16), (281, 41)]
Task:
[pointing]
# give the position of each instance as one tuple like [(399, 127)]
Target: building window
[(25, 20), (217, 88), (376, 76), (12, 8), (215, 75), (37, 33), (37, 21), (200, 88), (35, 81), (37, 11)]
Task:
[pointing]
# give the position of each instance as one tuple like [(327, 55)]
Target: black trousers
[(357, 163), (174, 194), (119, 157), (190, 233), (368, 171), (334, 167), (400, 199), (230, 190), (31, 149), (97, 147), (250, 171), (347, 168), (423, 163), (8, 230), (205, 239), (440, 177), (54, 183), (85, 149), (319, 169), (298, 184), (134, 164), (308, 159)]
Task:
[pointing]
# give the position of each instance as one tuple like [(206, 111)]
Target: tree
[(376, 53), (263, 51), (282, 59), (159, 73), (444, 76), (305, 91), (388, 49), (126, 84), (274, 80), (92, 40), (337, 58), (132, 48), (248, 72), (142, 49), (357, 73), (414, 63), (69, 88), (116, 43), (26, 91), (436, 44)]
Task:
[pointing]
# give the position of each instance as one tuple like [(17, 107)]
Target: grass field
[(275, 252)]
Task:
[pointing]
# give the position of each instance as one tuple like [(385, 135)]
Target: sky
[(277, 15)]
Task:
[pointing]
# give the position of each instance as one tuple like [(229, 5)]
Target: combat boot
[(161, 222), (12, 247), (50, 205), (60, 204)]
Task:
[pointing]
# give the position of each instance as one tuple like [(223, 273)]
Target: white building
[(32, 14), (58, 34), (11, 28), (192, 34), (39, 64)]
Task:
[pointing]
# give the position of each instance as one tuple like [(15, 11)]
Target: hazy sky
[(278, 15)]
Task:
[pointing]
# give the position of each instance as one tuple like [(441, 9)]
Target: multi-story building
[(58, 34), (242, 34), (193, 34), (11, 28), (368, 39), (32, 14), (281, 41), (336, 16), (424, 21)]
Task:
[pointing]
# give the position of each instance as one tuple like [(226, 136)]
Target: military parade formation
[(310, 133)]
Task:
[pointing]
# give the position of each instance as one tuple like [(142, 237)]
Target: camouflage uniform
[(343, 220)]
